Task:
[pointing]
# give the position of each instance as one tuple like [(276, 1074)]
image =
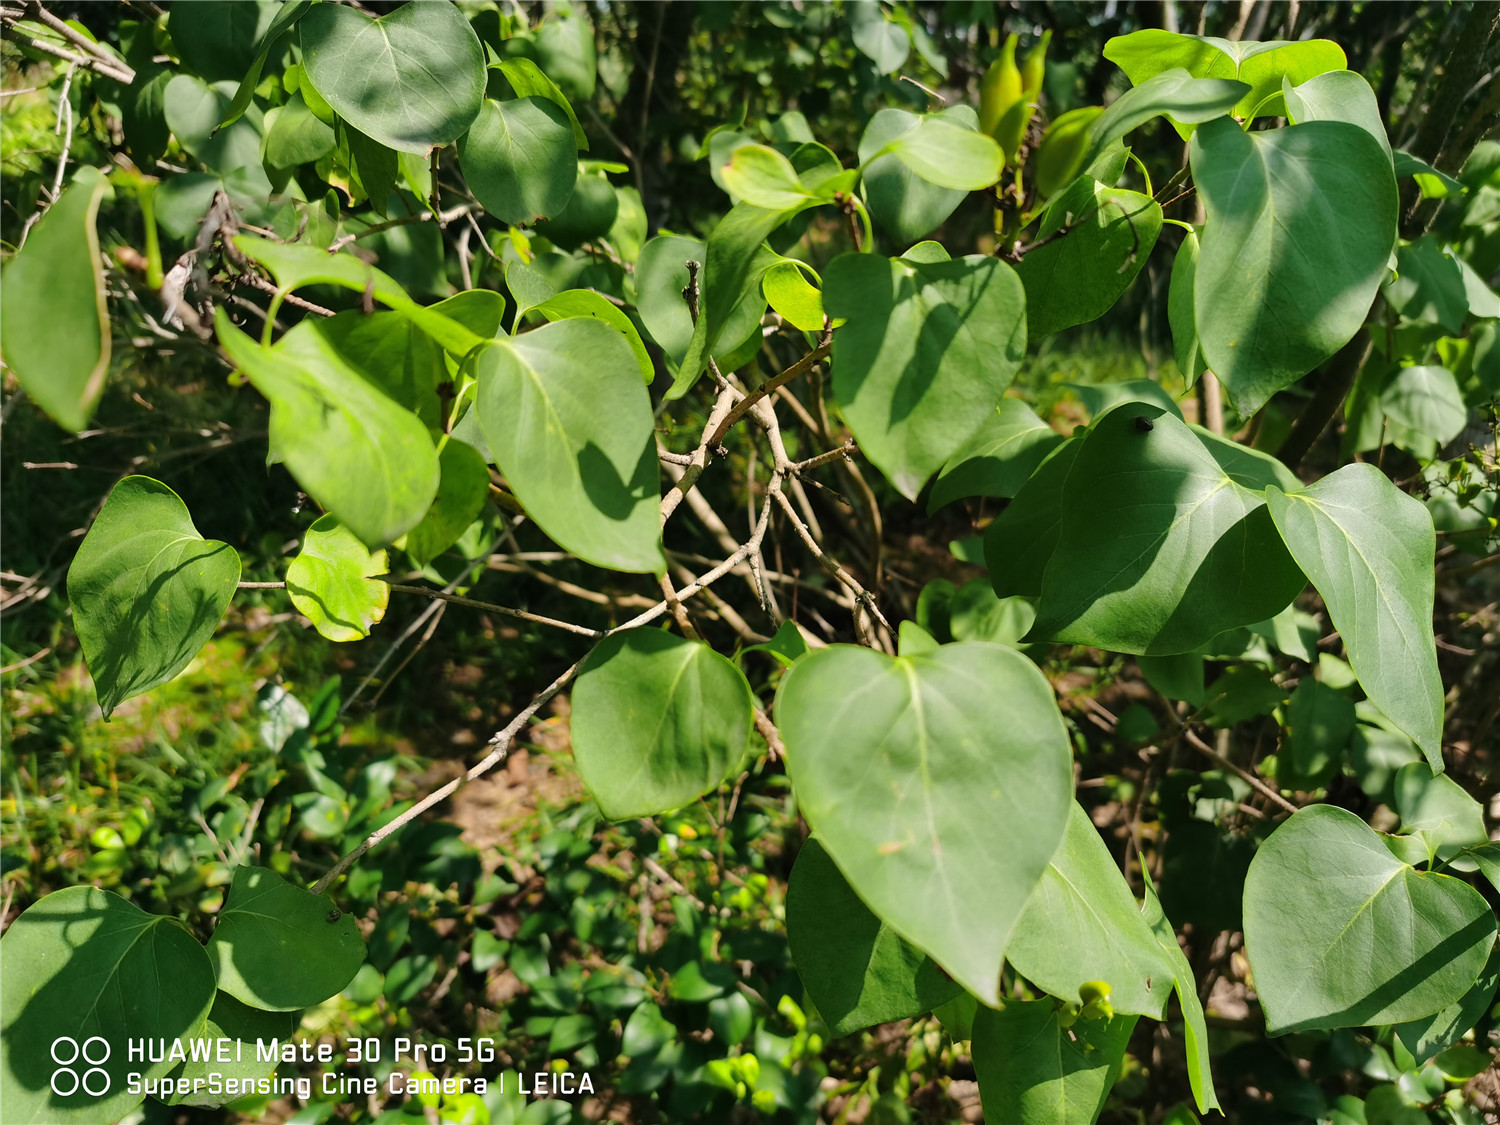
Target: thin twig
[(801, 367), (769, 732), (501, 744), (90, 49), (256, 281), (87, 62), (64, 115), (443, 219), (1243, 774), (831, 565), (928, 90), (30, 660), (437, 618), (699, 459), (844, 452), (534, 618)]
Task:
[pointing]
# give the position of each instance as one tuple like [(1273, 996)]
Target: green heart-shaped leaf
[(1369, 549), (1173, 93), (587, 303), (569, 423), (938, 783), (733, 264), (1338, 95), (520, 159), (903, 204), (83, 965), (998, 458), (357, 452), (1078, 277), (147, 590), (1034, 1071), (462, 490), (330, 581), (1165, 540), (1341, 933), (1268, 310), (1260, 66), (246, 1028), (926, 354), (412, 80), (1082, 924), (661, 275), (657, 720), (280, 947)]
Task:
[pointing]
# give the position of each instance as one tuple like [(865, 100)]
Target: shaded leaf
[(588, 304), (857, 969), (84, 963), (520, 160), (1020, 541), (1079, 276), (902, 203), (925, 355), (245, 1028), (147, 591), (1164, 540), (1034, 1071), (996, 459), (1338, 95), (1268, 311), (463, 487), (569, 423), (280, 947), (1082, 924), (1194, 1025), (54, 325), (1319, 721), (357, 452), (1173, 93)]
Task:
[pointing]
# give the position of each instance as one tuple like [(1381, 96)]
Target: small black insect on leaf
[(333, 916), (1144, 425)]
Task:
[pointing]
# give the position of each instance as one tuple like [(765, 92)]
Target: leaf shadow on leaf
[(940, 327), (295, 589), (1173, 497), (113, 666), (613, 497), (1410, 977), (941, 324), (55, 1009)]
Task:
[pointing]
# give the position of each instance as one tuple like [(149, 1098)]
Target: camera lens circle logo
[(78, 1066)]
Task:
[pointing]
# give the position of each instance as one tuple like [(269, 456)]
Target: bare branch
[(501, 744), (801, 367)]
